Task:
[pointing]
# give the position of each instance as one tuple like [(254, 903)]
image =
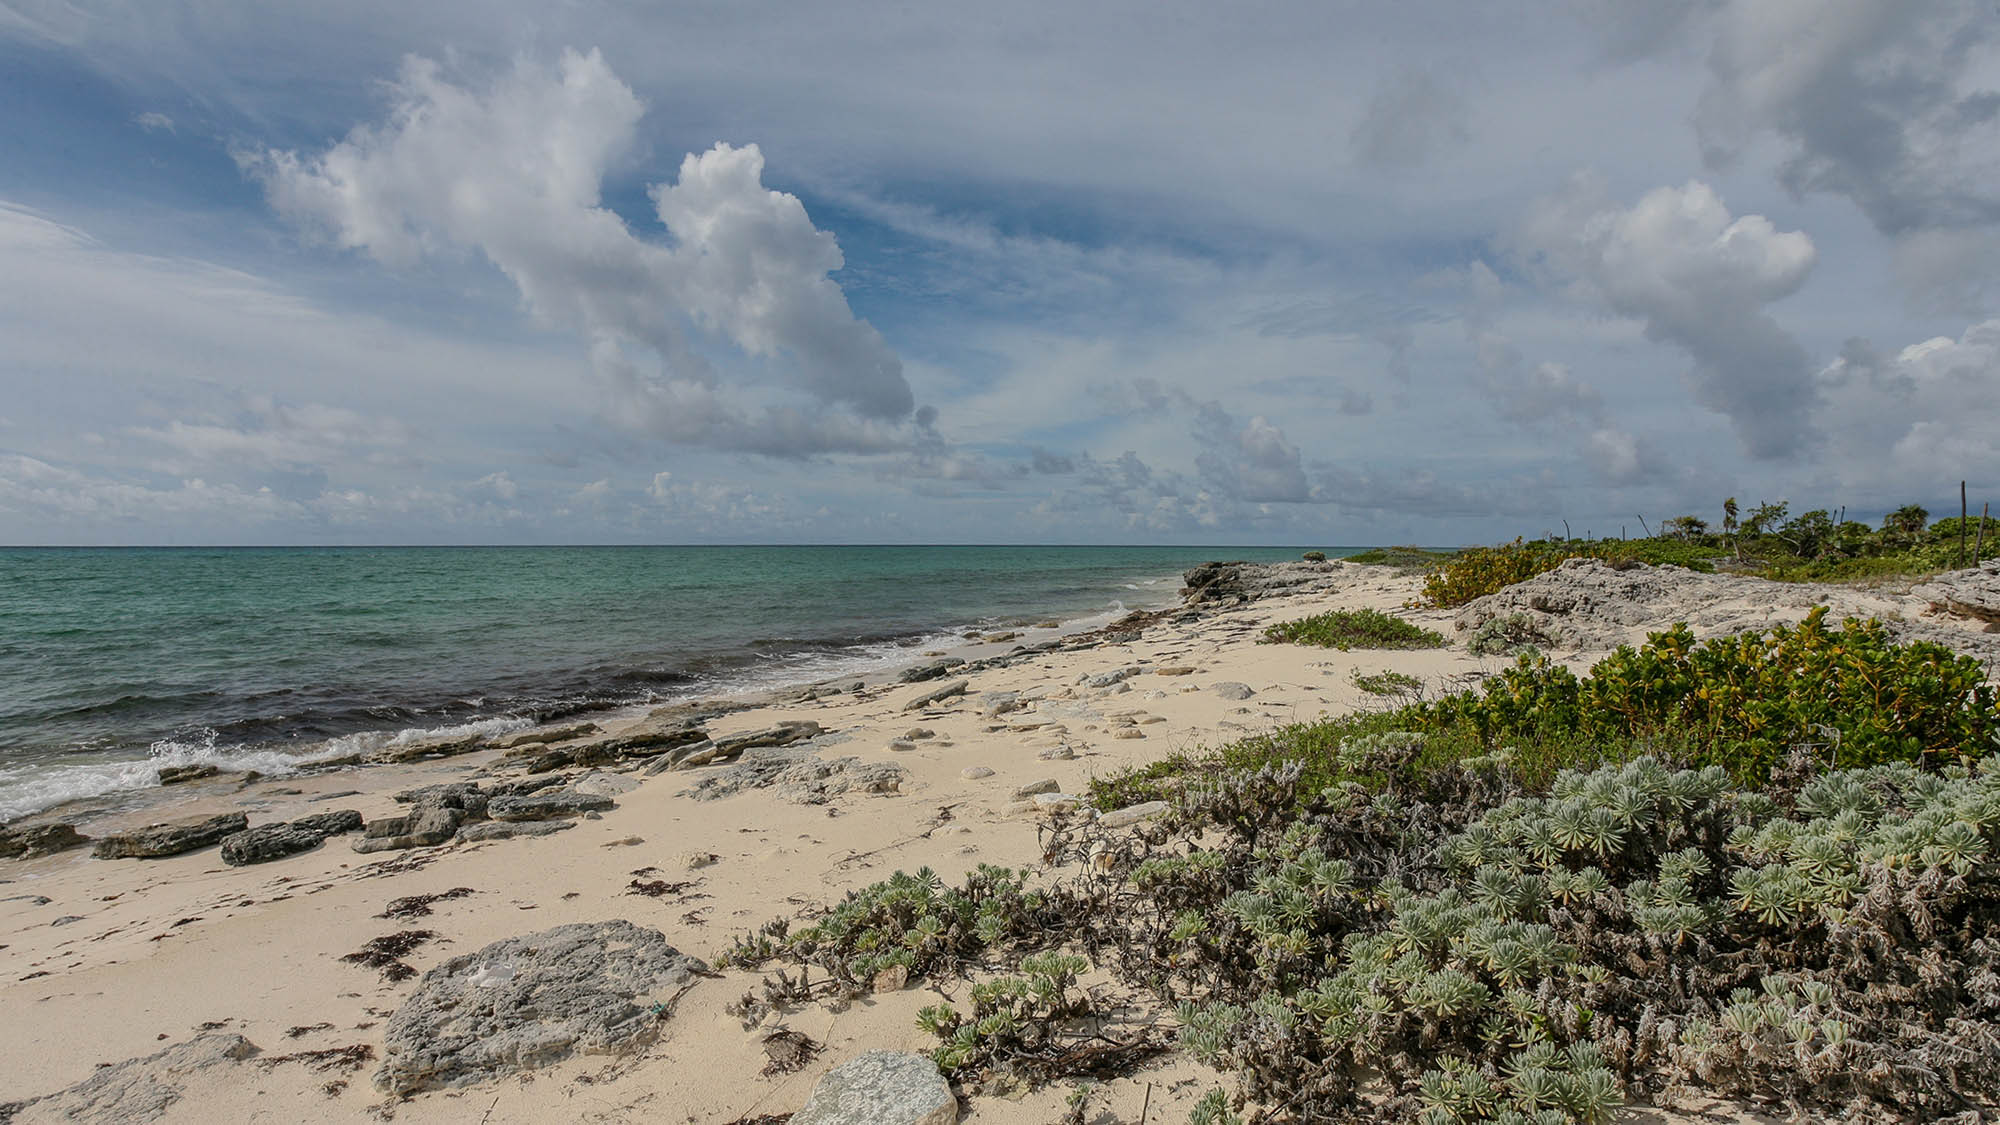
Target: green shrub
[(1354, 628), (1744, 702), (1479, 571), (1403, 559), (1315, 556), (1390, 683), (1513, 634)]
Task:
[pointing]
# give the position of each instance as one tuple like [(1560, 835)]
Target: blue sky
[(1314, 273)]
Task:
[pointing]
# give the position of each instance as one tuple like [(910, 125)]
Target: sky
[(1319, 273)]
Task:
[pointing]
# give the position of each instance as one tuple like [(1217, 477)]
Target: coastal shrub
[(1389, 682), (1479, 571), (1354, 628), (1512, 635), (1402, 559), (1315, 556), (1745, 701), (1014, 1018)]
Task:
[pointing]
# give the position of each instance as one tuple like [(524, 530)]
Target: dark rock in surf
[(174, 775), (39, 840)]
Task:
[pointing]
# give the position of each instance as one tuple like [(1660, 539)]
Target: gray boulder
[(1230, 689), (1974, 592), (547, 804), (330, 823), (174, 775), (267, 842), (426, 827), (39, 840), (156, 840), (507, 830), (589, 988), (140, 1089), (881, 1088), (544, 736), (464, 796), (933, 670)]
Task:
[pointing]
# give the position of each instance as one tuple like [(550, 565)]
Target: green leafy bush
[(1403, 559), (1389, 682), (1744, 702), (1479, 571), (1354, 628)]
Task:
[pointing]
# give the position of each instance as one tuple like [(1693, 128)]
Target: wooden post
[(1649, 530), (1961, 523), (1979, 541)]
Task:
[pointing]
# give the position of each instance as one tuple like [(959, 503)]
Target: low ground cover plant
[(1354, 628)]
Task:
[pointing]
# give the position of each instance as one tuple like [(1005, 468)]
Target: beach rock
[(1973, 593), (174, 775), (784, 734), (39, 840), (695, 861), (427, 827), (267, 842), (1048, 803), (156, 840), (140, 1089), (881, 1088), (603, 785), (901, 745), (1133, 814), (1217, 582), (330, 823), (1057, 754), (802, 778), (1045, 785), (547, 804), (507, 830), (649, 736), (428, 748), (1230, 689), (933, 670), (1128, 732), (936, 695), (1175, 670), (918, 734), (599, 988), (464, 796), (997, 703), (544, 736), (974, 773)]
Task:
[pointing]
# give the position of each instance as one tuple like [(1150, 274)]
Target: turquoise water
[(115, 661)]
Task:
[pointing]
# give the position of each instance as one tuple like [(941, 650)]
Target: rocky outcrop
[(424, 827), (507, 830), (174, 775), (36, 840), (929, 670), (800, 777), (599, 988), (157, 840), (544, 736), (881, 1088), (140, 1089), (647, 737), (267, 842), (1214, 583), (1974, 593)]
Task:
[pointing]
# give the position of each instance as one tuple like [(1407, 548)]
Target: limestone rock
[(1133, 814), (936, 695), (174, 775), (1974, 592), (544, 736), (464, 796), (881, 1088), (1115, 676), (267, 842), (1057, 754), (1129, 732), (508, 829), (426, 827), (39, 840), (140, 1089), (156, 840), (330, 823), (933, 670), (598, 988), (546, 804), (974, 773), (1230, 689), (1045, 785), (603, 785)]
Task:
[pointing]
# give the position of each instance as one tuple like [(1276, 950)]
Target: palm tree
[(1906, 520)]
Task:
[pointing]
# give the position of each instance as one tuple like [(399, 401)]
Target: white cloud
[(267, 434), (1909, 423), (1699, 278), (154, 122), (513, 171), (32, 487)]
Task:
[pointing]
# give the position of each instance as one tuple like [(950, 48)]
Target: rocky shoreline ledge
[(632, 842)]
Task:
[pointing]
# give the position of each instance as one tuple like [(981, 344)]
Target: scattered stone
[(1106, 679), (39, 840), (695, 861), (1031, 789), (935, 695), (174, 775), (918, 734), (1175, 670), (140, 1089), (330, 823), (31, 900), (892, 979), (974, 773), (901, 744), (508, 830), (649, 736), (802, 778), (156, 840), (428, 748), (1230, 689), (547, 804), (934, 670), (337, 795), (627, 842), (999, 638), (998, 703), (1057, 754), (267, 842), (1133, 814), (1056, 802), (590, 988), (464, 796), (881, 1088), (67, 919), (428, 826), (1128, 732)]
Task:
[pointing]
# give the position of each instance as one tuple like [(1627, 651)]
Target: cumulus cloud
[(32, 487), (154, 122), (1251, 460), (268, 434), (1698, 278), (1901, 424), (514, 170), (1876, 100)]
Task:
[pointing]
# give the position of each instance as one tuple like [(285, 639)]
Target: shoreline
[(122, 958)]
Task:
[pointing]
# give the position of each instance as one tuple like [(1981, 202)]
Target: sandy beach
[(104, 960)]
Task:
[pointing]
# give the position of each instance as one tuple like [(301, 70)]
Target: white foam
[(27, 788)]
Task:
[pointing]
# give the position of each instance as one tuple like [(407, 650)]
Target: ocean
[(117, 661)]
